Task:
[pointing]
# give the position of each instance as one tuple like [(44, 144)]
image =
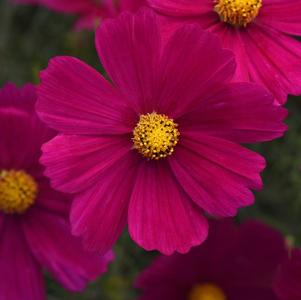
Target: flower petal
[(132, 5), (17, 122), (20, 276), (99, 214), (73, 163), (251, 293), (191, 77), (2, 218), (240, 112), (217, 174), (287, 283), (51, 200), (231, 39), (182, 8), (75, 99), (59, 252), (134, 69), (161, 216), (280, 72), (282, 15), (23, 98)]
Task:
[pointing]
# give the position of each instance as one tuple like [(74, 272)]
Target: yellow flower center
[(155, 136), (18, 191), (238, 13), (207, 291)]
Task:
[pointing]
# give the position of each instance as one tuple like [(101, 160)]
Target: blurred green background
[(30, 36)]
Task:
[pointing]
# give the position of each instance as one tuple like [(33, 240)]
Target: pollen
[(207, 291), (155, 136), (238, 13), (18, 191)]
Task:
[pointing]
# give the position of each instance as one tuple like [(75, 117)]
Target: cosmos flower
[(34, 231), (258, 31), (90, 12), (287, 284), (159, 146), (234, 263)]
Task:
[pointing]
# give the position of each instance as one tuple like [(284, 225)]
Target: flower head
[(259, 32), (34, 228), (234, 263), (159, 147)]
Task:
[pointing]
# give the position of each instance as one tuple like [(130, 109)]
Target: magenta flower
[(159, 147), (287, 284), (34, 229), (258, 31), (90, 12), (235, 263)]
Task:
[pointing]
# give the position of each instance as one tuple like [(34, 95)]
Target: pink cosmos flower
[(235, 263), (288, 281), (34, 230), (258, 31), (90, 11), (159, 146)]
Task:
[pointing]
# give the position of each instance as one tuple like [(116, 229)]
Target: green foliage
[(30, 36)]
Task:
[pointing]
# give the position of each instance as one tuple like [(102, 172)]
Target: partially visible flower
[(34, 230), (258, 31), (90, 12), (288, 282), (234, 263), (159, 147)]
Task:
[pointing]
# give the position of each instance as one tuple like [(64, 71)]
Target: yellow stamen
[(18, 191), (238, 13), (155, 136), (207, 291)]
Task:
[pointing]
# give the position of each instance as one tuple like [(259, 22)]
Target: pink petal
[(75, 99), (59, 252), (182, 7), (161, 216), (280, 72), (20, 276), (287, 283), (99, 214), (191, 77), (217, 174), (51, 200), (132, 5), (74, 163), (2, 218), (231, 39), (263, 249), (240, 112), (18, 122), (282, 15), (134, 69), (23, 98), (251, 293)]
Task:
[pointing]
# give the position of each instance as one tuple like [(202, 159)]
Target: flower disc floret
[(18, 191), (155, 136), (238, 13), (207, 291)]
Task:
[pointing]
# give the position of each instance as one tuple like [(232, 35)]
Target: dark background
[(30, 36)]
